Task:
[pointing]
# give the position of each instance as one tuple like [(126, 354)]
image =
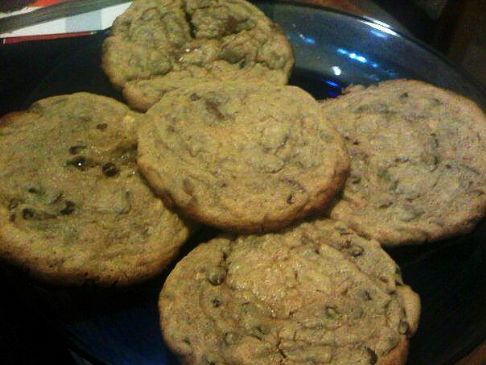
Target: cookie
[(240, 156), (156, 45), (316, 294), (73, 208), (418, 162)]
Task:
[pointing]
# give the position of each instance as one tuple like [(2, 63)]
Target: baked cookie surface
[(240, 156), (73, 207), (316, 294), (158, 44), (418, 162)]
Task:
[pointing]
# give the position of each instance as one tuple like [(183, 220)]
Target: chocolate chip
[(188, 186), (355, 179), (435, 140), (242, 64), (102, 126), (372, 356), (245, 307), (331, 312), (226, 252), (383, 174), (404, 95), (110, 169), (402, 159), (194, 97), (192, 27), (231, 25), (342, 228), (13, 204), (216, 275), (365, 295), (403, 327), (81, 163), (263, 329), (230, 338), (33, 191), (436, 102), (27, 213), (213, 108), (356, 250), (216, 302), (384, 203), (290, 199), (69, 208), (260, 331), (84, 118), (74, 150), (383, 279)]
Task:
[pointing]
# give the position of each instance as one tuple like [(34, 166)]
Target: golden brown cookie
[(73, 207), (241, 156), (157, 45), (316, 294), (418, 161)]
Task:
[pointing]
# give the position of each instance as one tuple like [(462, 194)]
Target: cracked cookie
[(240, 156), (316, 294), (73, 208), (418, 162), (158, 45)]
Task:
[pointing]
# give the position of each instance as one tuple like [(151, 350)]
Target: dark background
[(25, 338)]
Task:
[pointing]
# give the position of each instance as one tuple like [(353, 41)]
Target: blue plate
[(332, 50)]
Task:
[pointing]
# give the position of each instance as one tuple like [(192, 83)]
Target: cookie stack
[(304, 193)]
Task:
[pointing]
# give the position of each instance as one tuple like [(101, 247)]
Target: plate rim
[(365, 19)]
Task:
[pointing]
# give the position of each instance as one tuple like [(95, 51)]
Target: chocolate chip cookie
[(316, 294), (240, 156), (73, 208), (418, 161), (158, 44)]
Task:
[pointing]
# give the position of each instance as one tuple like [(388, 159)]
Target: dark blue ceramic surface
[(332, 51)]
